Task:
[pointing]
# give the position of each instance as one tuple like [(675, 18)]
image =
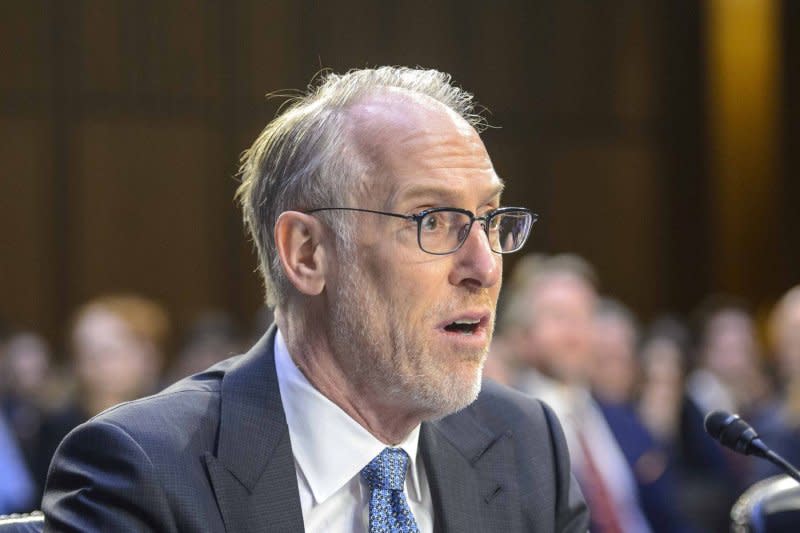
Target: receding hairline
[(385, 109), (385, 116)]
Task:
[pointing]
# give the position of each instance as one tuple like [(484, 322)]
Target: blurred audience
[(615, 376), (17, 491), (498, 366), (554, 307), (729, 374), (117, 353), (632, 408), (707, 490), (614, 369), (28, 392), (211, 338), (779, 425), (664, 362)]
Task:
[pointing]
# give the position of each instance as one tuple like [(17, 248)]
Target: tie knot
[(387, 470)]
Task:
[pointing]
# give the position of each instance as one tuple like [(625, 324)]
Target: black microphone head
[(717, 421), (733, 432)]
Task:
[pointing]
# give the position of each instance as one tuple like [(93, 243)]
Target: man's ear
[(298, 239)]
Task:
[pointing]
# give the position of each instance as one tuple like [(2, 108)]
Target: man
[(376, 213), (614, 375), (553, 311)]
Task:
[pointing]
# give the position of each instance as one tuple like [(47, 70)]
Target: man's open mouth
[(465, 327)]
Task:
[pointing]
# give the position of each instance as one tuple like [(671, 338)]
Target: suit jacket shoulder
[(210, 453), (135, 467), (505, 454)]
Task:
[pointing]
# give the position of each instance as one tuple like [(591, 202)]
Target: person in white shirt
[(553, 310)]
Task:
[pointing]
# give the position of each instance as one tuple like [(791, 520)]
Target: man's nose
[(476, 264)]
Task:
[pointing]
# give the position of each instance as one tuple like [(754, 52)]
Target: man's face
[(613, 368), (110, 359), (731, 348), (392, 306), (559, 334)]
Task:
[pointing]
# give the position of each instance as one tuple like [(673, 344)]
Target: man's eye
[(432, 222)]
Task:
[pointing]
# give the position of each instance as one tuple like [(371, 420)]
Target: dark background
[(121, 123)]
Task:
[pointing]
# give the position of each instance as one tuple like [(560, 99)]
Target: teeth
[(466, 322)]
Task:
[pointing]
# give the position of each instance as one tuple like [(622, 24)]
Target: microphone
[(734, 433)]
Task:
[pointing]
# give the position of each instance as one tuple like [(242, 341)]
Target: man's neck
[(314, 357)]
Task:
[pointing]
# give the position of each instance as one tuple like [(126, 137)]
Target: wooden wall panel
[(27, 259), (105, 65), (428, 34), (143, 220), (149, 48), (25, 38), (744, 105), (345, 34), (133, 107), (497, 61), (637, 49), (271, 44), (789, 192), (604, 204)]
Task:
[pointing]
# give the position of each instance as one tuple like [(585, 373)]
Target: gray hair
[(303, 160)]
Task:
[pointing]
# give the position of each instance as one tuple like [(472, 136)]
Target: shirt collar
[(329, 447)]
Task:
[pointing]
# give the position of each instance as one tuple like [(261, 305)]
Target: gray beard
[(387, 361)]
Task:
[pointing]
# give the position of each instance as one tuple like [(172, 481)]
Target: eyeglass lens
[(443, 232)]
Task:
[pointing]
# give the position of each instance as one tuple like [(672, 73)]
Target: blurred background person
[(779, 426), (498, 366), (28, 391), (615, 377), (706, 484), (212, 337), (556, 303), (614, 371), (509, 355), (664, 359), (17, 491), (728, 374), (117, 349)]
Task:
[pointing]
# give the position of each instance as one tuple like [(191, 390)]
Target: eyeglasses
[(442, 230)]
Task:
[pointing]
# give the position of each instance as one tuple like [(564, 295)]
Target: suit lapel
[(253, 473), (470, 471), (470, 468)]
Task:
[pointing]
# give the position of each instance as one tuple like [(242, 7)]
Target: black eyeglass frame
[(418, 217)]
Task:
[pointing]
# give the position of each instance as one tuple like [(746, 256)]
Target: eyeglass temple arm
[(396, 215)]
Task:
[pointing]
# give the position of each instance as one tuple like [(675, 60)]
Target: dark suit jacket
[(212, 453)]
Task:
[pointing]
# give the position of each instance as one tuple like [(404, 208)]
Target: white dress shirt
[(330, 449)]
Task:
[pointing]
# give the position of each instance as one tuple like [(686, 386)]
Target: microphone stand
[(783, 464)]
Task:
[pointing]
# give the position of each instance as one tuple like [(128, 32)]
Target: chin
[(454, 392)]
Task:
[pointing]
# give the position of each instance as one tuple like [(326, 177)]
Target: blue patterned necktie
[(388, 508)]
